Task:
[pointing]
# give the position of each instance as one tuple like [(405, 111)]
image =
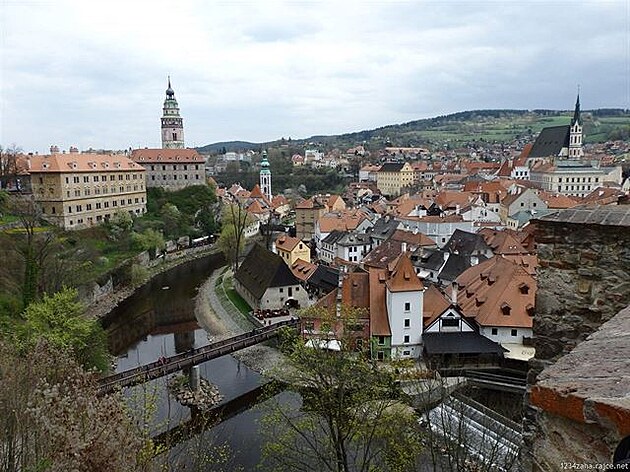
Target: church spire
[(576, 150), (577, 118)]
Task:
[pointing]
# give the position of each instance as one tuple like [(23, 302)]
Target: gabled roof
[(505, 170), (346, 220), (433, 305), (455, 265), (354, 239), (379, 322), (287, 243), (498, 292), (502, 242), (412, 239), (556, 200), (430, 259), (324, 277), (521, 161), (262, 269), (384, 228), (303, 270), (278, 201), (391, 167), (75, 162), (384, 255), (463, 242), (170, 156), (603, 196), (550, 141), (460, 343), (404, 278), (257, 193), (333, 237)]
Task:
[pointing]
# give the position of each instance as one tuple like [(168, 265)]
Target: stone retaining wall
[(583, 282)]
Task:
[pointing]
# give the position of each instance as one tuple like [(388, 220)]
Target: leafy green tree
[(171, 217), (120, 225), (350, 418), (149, 240), (59, 320)]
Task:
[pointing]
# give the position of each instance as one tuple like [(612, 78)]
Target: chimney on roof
[(446, 254), (74, 150), (403, 247), (474, 260)]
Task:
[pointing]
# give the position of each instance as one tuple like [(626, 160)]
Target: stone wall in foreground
[(583, 282)]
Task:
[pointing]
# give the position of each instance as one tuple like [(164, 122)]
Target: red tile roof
[(434, 304), (287, 243), (404, 278), (379, 322), (75, 162), (303, 270), (498, 292)]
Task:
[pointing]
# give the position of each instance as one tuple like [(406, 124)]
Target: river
[(159, 320)]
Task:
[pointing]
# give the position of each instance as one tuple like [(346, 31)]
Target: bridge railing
[(192, 357)]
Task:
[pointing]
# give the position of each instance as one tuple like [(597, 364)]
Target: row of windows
[(574, 187), (101, 178), (577, 179), (174, 177), (101, 218), (98, 190), (495, 332), (99, 205), (183, 166)]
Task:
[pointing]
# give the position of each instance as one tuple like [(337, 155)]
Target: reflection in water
[(158, 322)]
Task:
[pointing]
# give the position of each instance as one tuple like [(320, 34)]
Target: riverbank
[(104, 305), (216, 314)]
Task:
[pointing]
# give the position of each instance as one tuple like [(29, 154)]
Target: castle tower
[(575, 133), (172, 123), (265, 177)]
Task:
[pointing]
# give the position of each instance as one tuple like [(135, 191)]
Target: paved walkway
[(222, 319), (216, 313)]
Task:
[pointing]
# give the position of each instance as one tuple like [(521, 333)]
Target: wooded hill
[(464, 127)]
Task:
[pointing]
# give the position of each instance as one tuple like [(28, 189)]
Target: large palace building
[(76, 190)]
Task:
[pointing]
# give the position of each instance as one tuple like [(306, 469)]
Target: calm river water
[(158, 320)]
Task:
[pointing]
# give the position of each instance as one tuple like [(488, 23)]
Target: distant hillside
[(229, 146), (465, 128)]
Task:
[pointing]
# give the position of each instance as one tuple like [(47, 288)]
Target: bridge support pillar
[(194, 378)]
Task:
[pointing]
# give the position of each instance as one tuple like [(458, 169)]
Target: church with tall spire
[(563, 141), (575, 133), (172, 122)]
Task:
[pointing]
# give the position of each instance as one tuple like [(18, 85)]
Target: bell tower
[(172, 123), (265, 176), (575, 133)]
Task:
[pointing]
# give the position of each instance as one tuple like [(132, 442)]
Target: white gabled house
[(404, 304)]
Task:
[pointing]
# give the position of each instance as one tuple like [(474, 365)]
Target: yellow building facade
[(76, 191)]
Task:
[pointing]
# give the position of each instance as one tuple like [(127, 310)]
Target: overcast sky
[(93, 73)]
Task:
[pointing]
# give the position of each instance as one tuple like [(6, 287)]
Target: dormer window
[(505, 309), (523, 288), (530, 309)]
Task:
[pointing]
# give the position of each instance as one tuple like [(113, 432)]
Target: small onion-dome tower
[(265, 176), (172, 122)]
